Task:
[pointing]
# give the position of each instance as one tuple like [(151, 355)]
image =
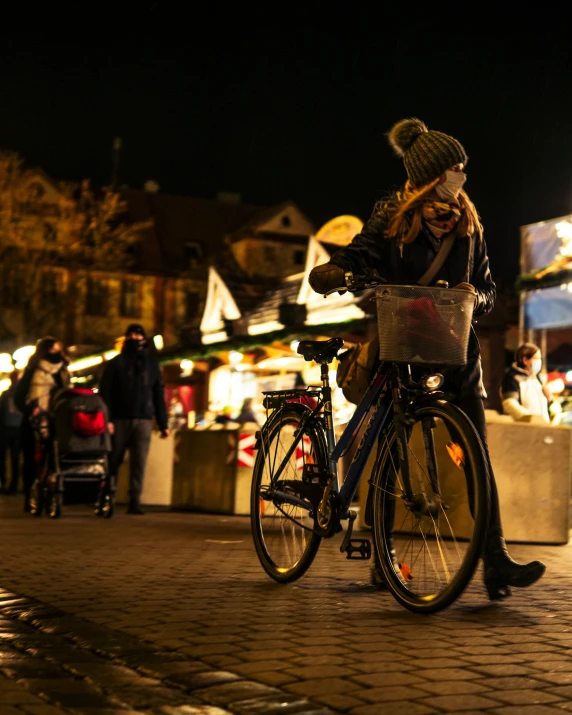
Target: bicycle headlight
[(430, 383)]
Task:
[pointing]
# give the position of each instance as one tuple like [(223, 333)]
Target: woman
[(177, 419), (400, 242), (523, 395), (45, 373), (247, 413)]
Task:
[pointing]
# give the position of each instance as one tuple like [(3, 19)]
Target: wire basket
[(424, 325)]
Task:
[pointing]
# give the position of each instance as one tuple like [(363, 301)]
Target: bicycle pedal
[(358, 549), (314, 474)]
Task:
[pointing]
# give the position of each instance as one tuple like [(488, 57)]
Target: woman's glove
[(466, 286), (326, 277)]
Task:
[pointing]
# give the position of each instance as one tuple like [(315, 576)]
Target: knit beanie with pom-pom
[(426, 153)]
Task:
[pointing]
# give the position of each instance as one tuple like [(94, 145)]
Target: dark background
[(293, 101)]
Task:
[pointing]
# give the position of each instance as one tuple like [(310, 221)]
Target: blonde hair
[(406, 222)]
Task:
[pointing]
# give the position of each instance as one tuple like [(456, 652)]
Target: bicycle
[(428, 499)]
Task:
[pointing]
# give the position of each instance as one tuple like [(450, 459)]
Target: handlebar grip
[(341, 290)]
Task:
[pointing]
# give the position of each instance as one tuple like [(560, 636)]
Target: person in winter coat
[(247, 413), (45, 374), (10, 440), (523, 395), (400, 241), (132, 387)]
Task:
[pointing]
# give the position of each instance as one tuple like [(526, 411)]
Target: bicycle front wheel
[(428, 546), (283, 533)]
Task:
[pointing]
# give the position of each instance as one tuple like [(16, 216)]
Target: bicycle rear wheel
[(428, 548), (283, 533)]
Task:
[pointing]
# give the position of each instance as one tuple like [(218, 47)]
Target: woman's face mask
[(536, 365), (450, 188)]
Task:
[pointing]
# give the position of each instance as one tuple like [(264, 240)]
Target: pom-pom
[(402, 135)]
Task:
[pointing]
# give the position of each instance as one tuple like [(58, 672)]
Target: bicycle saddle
[(321, 351)]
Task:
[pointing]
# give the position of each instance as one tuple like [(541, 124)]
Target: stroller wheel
[(37, 500), (54, 507)]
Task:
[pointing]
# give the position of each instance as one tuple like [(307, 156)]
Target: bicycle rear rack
[(278, 398)]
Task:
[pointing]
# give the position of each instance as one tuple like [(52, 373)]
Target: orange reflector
[(405, 571), (262, 507), (456, 453)]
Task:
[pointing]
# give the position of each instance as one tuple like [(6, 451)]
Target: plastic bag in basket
[(427, 332)]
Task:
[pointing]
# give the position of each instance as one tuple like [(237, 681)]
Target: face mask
[(54, 358), (449, 190), (134, 344), (536, 366)]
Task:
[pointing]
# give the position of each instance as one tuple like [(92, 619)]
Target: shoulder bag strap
[(429, 276)]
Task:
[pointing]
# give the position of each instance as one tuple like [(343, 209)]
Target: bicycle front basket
[(426, 325)]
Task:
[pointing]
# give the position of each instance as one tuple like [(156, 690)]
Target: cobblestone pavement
[(171, 613)]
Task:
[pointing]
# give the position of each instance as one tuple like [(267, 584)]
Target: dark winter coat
[(132, 387), (467, 262), (10, 415)]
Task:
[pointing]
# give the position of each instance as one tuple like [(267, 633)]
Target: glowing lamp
[(235, 357), (22, 355)]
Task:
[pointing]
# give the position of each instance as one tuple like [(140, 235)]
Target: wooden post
[(521, 317), (542, 346)]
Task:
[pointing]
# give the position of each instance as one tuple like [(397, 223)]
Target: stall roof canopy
[(546, 263)]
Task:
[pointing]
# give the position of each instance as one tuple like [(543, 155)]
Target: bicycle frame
[(378, 397)]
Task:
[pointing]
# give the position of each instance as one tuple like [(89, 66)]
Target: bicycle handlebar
[(362, 281), (357, 281)]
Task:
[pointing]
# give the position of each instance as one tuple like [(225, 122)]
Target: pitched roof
[(179, 220), (268, 308)]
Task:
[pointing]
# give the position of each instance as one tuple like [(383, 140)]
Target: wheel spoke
[(430, 543), (283, 531)]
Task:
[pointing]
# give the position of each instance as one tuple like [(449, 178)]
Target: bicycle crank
[(327, 513)]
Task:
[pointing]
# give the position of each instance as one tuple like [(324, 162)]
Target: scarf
[(440, 217)]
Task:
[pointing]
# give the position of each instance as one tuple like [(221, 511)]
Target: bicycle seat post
[(325, 374)]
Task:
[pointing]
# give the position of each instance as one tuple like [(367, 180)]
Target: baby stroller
[(73, 445)]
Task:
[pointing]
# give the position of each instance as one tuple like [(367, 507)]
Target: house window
[(286, 221), (192, 300), (50, 235), (50, 287), (97, 297), (36, 191), (130, 307), (299, 257), (193, 253), (12, 290)]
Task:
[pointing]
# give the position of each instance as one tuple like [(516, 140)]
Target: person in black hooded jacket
[(400, 242), (132, 387)]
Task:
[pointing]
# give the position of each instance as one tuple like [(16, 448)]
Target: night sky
[(293, 103)]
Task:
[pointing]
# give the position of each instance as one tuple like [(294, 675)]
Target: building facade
[(81, 265)]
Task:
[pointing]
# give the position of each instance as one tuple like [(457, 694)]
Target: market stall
[(545, 284)]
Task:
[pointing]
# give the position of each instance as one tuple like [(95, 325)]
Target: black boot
[(134, 508), (501, 572), (376, 577)]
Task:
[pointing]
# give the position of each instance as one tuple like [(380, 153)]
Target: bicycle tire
[(290, 416), (397, 574)]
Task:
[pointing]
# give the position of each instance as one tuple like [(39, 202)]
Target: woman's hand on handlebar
[(327, 278), (466, 286)]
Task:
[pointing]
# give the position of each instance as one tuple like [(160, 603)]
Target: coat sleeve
[(510, 395), (106, 386), (40, 390), (370, 249), (486, 290), (159, 399)]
